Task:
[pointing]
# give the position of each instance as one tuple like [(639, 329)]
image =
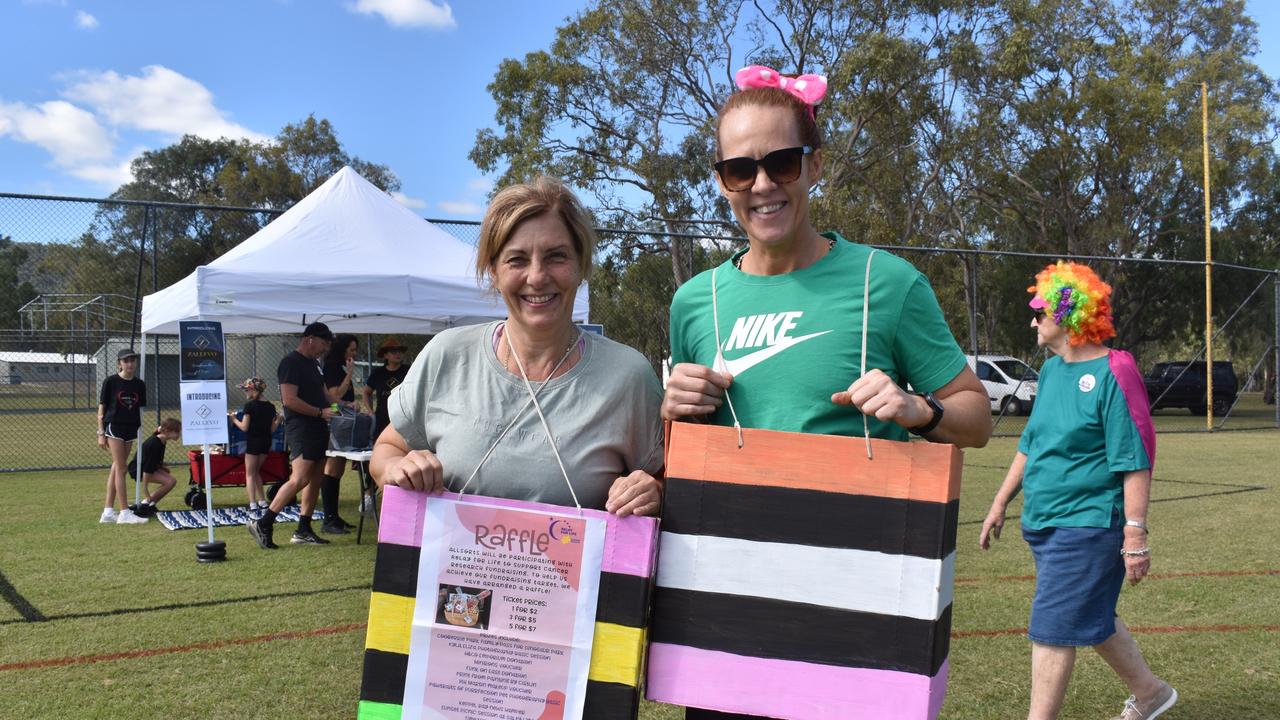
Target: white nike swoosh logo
[(740, 365)]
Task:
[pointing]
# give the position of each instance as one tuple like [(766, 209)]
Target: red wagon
[(228, 471)]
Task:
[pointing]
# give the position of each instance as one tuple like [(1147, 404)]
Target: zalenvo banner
[(203, 355), (204, 413), (203, 389)]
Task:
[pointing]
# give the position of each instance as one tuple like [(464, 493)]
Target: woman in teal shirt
[(1084, 462)]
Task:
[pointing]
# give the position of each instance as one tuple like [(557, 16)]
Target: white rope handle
[(533, 398), (862, 370), (719, 361)]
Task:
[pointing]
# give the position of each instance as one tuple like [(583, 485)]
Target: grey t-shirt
[(604, 413)]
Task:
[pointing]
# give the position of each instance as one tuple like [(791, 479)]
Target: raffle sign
[(507, 606), (203, 386)]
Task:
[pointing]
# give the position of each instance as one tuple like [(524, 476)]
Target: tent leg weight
[(208, 552)]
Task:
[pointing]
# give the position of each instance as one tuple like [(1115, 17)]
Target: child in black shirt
[(257, 421), (149, 460), (119, 416)]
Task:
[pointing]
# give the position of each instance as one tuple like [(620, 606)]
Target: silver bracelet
[(1136, 553), (1138, 524)]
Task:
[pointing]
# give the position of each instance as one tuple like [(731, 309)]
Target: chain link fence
[(97, 256)]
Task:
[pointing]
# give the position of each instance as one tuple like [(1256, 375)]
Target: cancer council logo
[(562, 532)]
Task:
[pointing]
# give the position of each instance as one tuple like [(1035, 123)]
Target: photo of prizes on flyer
[(508, 636)]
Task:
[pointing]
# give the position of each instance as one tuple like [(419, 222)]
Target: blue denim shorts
[(1079, 573)]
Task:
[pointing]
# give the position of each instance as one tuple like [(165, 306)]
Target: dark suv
[(1187, 389)]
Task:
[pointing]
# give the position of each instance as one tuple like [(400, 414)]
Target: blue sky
[(86, 85)]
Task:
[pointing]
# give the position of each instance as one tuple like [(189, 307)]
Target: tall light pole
[(1208, 259)]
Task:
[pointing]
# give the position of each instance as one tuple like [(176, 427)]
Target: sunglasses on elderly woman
[(1038, 315), (782, 166)]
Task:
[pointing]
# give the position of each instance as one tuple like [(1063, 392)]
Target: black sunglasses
[(1039, 315), (782, 166)]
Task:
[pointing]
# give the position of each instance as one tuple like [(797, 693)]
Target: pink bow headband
[(810, 89)]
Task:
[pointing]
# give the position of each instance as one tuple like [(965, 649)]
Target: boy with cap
[(306, 429)]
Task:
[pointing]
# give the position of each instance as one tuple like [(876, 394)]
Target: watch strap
[(937, 415)]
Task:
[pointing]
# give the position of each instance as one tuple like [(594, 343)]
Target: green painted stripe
[(378, 711)]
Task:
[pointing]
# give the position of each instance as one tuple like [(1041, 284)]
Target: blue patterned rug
[(194, 519)]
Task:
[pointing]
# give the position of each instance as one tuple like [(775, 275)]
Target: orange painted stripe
[(152, 652), (1153, 630), (928, 472)]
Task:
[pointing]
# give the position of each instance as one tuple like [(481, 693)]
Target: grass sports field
[(109, 621)]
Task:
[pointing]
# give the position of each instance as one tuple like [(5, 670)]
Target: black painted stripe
[(610, 701), (383, 679), (809, 517), (395, 570), (766, 628), (623, 599)]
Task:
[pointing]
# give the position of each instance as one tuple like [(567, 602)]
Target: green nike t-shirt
[(792, 340)]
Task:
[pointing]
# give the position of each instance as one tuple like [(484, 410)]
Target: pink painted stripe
[(630, 544), (786, 689)]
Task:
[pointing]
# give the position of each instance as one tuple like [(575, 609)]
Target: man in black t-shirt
[(383, 380), (306, 429)]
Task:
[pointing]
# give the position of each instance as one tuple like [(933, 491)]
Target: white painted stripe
[(860, 580)]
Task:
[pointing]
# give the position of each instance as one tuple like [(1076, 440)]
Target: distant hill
[(44, 280)]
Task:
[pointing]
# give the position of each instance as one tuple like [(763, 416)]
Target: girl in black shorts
[(258, 419), (119, 415)]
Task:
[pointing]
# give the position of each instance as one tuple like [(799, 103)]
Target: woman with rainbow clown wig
[(805, 331), (1084, 463)]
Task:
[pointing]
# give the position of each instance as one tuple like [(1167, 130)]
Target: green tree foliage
[(1064, 127), (13, 291), (269, 175)]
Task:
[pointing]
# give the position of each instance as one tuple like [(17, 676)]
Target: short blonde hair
[(517, 203)]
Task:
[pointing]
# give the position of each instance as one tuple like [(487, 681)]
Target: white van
[(1011, 384)]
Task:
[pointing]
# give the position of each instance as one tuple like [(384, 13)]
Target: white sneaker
[(108, 516), (127, 517)]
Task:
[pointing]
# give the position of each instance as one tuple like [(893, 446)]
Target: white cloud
[(461, 207), (480, 185), (161, 100), (408, 13), (80, 131), (70, 134), (106, 175), (410, 202), (85, 21)]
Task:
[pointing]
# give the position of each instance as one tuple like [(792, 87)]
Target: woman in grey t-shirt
[(464, 416)]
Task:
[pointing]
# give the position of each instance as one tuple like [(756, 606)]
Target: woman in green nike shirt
[(779, 326), (790, 307)]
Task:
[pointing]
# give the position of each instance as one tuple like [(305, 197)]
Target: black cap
[(126, 353), (318, 329)]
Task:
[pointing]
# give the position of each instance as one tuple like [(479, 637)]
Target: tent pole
[(208, 491), (142, 415)]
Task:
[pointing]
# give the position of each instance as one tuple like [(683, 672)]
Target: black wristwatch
[(938, 410)]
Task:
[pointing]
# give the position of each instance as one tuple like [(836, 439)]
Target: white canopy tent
[(347, 255)]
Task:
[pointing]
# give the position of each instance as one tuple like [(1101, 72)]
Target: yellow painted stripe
[(617, 654), (390, 623)]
